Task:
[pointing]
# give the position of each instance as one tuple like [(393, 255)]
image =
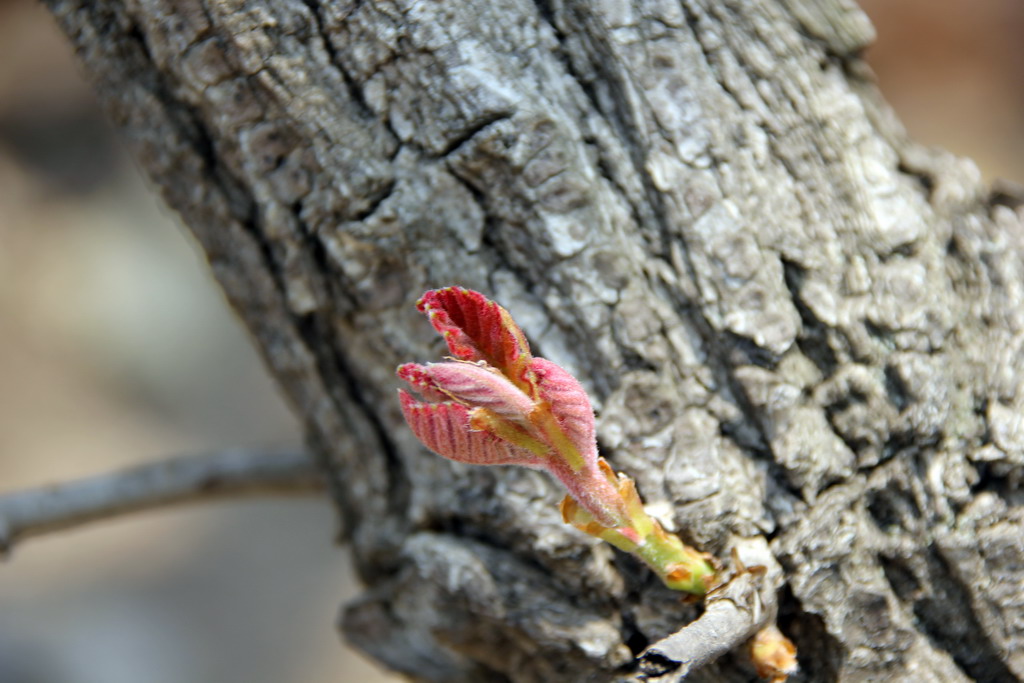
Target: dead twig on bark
[(732, 614)]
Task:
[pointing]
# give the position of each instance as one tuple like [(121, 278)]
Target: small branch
[(730, 618), (227, 474), (732, 614)]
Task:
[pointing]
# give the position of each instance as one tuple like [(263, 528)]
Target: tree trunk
[(793, 321)]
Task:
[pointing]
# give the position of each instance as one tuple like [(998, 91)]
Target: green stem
[(681, 567)]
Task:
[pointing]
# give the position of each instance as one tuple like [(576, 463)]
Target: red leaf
[(477, 328)]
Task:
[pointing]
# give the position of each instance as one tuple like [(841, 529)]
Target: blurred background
[(116, 348)]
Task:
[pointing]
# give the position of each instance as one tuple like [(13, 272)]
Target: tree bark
[(793, 321)]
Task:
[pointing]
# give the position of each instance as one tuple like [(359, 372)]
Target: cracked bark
[(794, 321)]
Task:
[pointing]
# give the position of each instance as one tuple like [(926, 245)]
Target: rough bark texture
[(793, 321)]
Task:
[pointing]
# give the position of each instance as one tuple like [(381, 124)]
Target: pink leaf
[(482, 387), (569, 404), (445, 429), (417, 376)]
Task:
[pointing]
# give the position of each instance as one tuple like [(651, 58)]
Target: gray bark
[(793, 321)]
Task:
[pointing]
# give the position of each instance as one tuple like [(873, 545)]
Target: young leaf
[(569, 404), (476, 328), (445, 429)]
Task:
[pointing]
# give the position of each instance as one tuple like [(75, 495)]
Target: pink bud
[(507, 407)]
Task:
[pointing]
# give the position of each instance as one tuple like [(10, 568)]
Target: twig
[(728, 620), (232, 473), (732, 614)]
